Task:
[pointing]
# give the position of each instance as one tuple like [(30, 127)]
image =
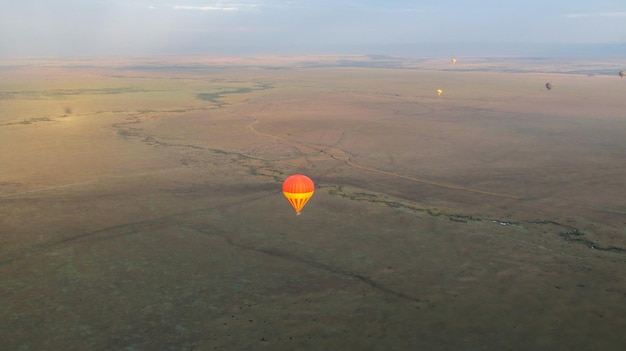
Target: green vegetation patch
[(35, 120), (215, 97), (29, 121), (57, 93)]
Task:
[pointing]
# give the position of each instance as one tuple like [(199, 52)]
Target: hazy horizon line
[(413, 49)]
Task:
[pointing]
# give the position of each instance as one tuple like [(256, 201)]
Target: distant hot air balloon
[(439, 91), (298, 189), (622, 73), (453, 61), (548, 85)]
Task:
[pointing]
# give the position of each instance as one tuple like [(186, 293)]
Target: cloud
[(220, 30), (206, 8), (219, 6), (596, 14)]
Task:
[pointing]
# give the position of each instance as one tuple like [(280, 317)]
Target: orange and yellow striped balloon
[(298, 189)]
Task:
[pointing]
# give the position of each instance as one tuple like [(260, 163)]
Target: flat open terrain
[(141, 204)]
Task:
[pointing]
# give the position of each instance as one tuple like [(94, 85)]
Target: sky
[(62, 28)]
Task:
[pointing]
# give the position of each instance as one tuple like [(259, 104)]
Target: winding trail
[(340, 155)]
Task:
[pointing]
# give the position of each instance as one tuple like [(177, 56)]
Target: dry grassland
[(141, 205)]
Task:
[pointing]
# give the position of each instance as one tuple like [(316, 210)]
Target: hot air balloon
[(298, 189), (453, 61), (548, 85), (439, 91), (622, 73)]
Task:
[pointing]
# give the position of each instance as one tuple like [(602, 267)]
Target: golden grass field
[(141, 204)]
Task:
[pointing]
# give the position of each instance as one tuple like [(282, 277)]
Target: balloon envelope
[(622, 73), (439, 91), (298, 189), (453, 61), (548, 85)]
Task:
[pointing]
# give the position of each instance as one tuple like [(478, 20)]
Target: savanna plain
[(141, 205)]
